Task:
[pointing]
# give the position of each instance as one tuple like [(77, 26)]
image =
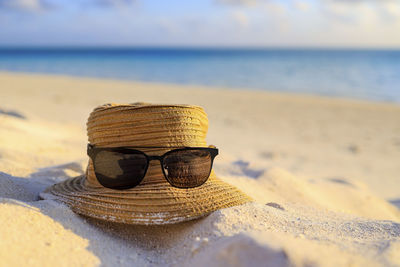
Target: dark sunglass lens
[(187, 168), (120, 170)]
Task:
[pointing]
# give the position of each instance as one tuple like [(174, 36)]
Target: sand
[(324, 174)]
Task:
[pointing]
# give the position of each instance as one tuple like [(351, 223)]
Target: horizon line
[(186, 47)]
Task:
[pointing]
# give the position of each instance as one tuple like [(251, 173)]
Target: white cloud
[(363, 11), (238, 2), (274, 8), (240, 18), (112, 2), (391, 10), (28, 5), (302, 5), (368, 23), (168, 26), (36, 5)]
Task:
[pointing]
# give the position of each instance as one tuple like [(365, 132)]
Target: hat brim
[(148, 203)]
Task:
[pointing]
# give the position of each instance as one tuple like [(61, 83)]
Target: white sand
[(321, 171)]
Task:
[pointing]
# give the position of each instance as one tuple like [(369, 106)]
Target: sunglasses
[(125, 167)]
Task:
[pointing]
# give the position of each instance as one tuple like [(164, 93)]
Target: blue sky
[(290, 23)]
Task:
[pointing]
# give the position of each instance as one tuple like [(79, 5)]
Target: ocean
[(360, 74)]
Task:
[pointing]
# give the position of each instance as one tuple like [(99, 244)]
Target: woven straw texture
[(154, 200)]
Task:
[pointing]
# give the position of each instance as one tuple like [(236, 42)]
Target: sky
[(201, 23)]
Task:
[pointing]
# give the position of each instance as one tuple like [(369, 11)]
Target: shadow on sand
[(12, 113), (112, 243), (396, 202)]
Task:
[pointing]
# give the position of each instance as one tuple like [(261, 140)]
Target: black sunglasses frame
[(92, 152)]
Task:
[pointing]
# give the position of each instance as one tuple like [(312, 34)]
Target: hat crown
[(141, 124)]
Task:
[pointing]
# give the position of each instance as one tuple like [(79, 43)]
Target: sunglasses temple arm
[(89, 150)]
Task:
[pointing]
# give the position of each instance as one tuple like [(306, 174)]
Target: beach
[(324, 174)]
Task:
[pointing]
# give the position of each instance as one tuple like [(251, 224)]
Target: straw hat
[(154, 200)]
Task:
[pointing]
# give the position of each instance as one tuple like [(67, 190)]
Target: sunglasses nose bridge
[(159, 158)]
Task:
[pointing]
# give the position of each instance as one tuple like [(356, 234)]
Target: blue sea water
[(362, 74)]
